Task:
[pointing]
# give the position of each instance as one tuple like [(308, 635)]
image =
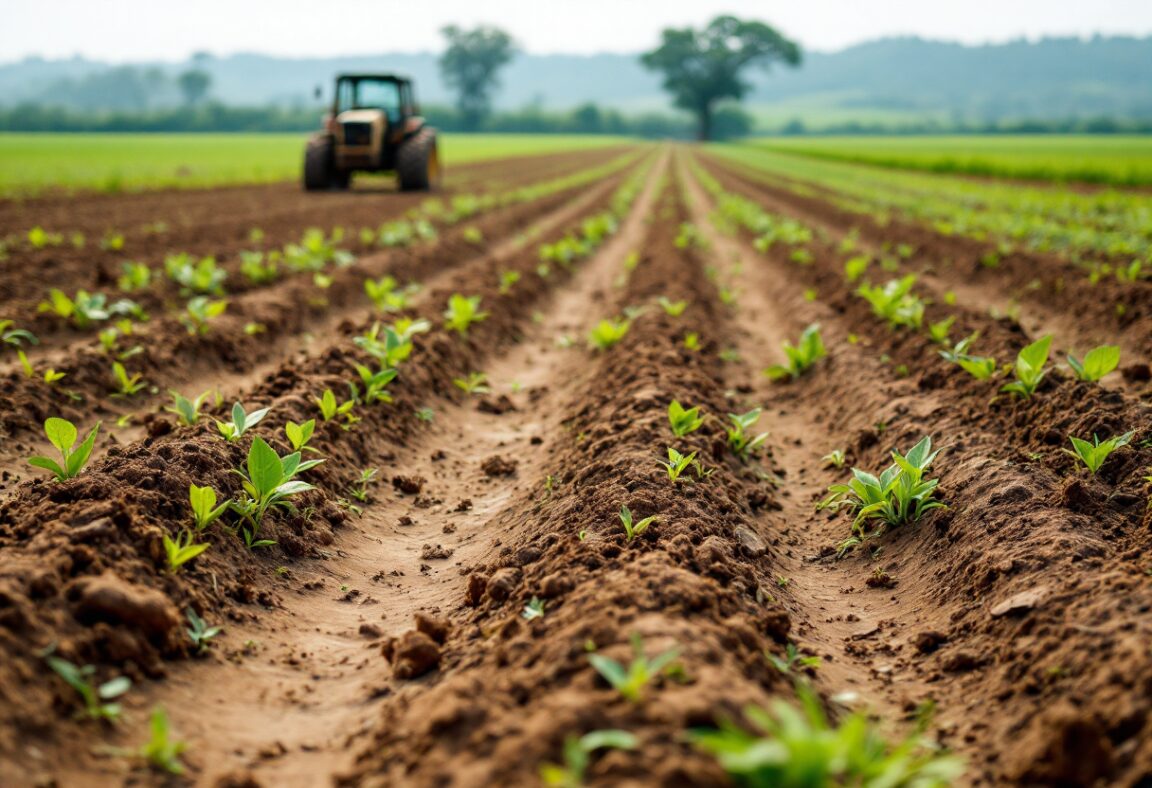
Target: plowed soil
[(387, 638)]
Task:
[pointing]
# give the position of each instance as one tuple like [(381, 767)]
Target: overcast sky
[(125, 30)]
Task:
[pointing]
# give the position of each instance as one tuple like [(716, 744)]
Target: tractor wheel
[(320, 166), (418, 162)]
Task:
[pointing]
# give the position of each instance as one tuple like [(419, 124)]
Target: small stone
[(1020, 603)]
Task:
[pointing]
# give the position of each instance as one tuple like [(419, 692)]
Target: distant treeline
[(216, 117), (1102, 125)]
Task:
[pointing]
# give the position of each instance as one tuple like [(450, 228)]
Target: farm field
[(31, 163), (1118, 160), (537, 480)]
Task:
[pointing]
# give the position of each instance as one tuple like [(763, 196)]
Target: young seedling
[(242, 421), (1030, 368), (50, 375), (608, 333), (160, 751), (793, 659), (97, 699), (86, 308), (677, 463), (631, 529), (259, 268), (939, 331), (801, 748), (900, 495), (204, 508), (692, 340), (508, 280), (534, 609), (203, 276), (330, 408), (683, 420), (834, 459), (186, 410), (801, 357), (62, 434), (299, 434), (199, 632), (129, 385), (387, 294), (979, 367), (359, 490), (630, 681), (1097, 363), (269, 481), (1094, 454), (462, 312), (577, 756), (475, 383), (895, 302), (743, 444), (182, 549), (375, 384), (199, 312), (672, 308), (9, 335)]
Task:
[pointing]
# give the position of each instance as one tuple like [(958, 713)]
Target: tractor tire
[(418, 162), (320, 167)]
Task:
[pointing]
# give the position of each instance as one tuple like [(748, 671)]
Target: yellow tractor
[(374, 126)]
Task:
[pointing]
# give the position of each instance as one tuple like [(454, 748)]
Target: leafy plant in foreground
[(677, 463), (182, 549), (269, 481), (242, 421), (97, 699), (634, 529), (801, 749), (577, 750), (1094, 454), (683, 420), (62, 434), (899, 495), (1097, 363), (462, 312), (1030, 368), (631, 680), (802, 356), (204, 508), (740, 441)]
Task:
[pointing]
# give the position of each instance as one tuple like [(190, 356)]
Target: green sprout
[(683, 420), (242, 421), (62, 434), (634, 529), (1030, 368), (801, 357), (630, 680), (1094, 454), (1097, 363), (577, 752), (677, 463), (740, 441), (97, 699)]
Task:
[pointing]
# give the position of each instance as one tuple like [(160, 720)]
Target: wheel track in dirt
[(1054, 295), (438, 358), (175, 360), (1012, 518)]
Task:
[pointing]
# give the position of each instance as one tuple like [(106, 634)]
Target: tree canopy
[(470, 66), (703, 67)]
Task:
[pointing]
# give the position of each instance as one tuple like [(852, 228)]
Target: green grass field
[(1108, 159), (32, 163)]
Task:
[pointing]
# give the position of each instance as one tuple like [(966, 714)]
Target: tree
[(469, 66), (194, 85), (703, 67)]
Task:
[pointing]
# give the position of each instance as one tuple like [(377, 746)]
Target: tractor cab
[(374, 126)]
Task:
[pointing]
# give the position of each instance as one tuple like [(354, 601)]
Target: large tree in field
[(470, 66), (702, 67)]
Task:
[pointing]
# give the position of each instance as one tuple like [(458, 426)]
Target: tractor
[(374, 126)]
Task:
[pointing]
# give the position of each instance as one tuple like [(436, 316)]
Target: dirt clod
[(109, 598), (412, 654), (499, 466)]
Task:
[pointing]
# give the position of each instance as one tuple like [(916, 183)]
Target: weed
[(242, 421), (793, 660), (1094, 454), (1030, 368), (199, 632), (62, 434), (677, 463), (683, 420), (182, 549), (631, 529), (577, 750), (742, 444), (900, 495), (475, 383), (97, 699), (630, 681), (462, 312), (801, 357), (1097, 363), (798, 748)]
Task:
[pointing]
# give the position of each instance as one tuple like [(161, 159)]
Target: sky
[(132, 30)]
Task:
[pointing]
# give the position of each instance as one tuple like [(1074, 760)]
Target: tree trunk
[(704, 116)]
